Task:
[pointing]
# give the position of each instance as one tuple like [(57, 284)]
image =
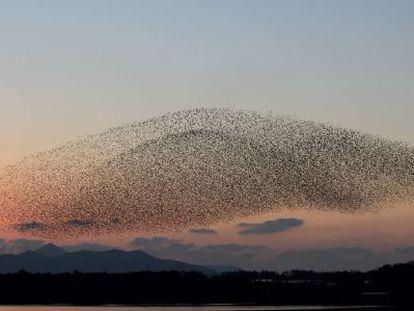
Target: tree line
[(388, 285)]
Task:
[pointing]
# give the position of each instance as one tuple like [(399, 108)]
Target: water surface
[(187, 308)]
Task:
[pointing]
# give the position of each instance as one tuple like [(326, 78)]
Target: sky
[(71, 68)]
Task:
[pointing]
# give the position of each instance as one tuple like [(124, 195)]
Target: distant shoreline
[(390, 285), (213, 306)]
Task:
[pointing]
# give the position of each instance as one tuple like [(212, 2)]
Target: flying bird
[(200, 167)]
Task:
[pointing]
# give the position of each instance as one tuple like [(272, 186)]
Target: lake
[(187, 308)]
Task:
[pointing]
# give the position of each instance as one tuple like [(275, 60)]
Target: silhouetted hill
[(52, 259), (51, 250)]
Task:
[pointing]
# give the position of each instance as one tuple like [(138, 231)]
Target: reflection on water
[(188, 308)]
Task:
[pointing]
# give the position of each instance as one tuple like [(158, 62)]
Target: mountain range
[(52, 259)]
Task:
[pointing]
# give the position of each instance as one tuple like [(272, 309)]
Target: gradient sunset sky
[(71, 68)]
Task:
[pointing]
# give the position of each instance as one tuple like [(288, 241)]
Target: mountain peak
[(51, 250)]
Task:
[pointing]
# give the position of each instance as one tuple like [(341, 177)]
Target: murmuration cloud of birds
[(198, 168)]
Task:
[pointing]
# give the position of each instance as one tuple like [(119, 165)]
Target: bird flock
[(201, 167)]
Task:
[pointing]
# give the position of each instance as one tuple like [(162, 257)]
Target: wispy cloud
[(29, 226), (270, 226), (203, 231), (241, 255), (79, 223)]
